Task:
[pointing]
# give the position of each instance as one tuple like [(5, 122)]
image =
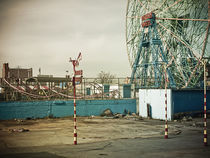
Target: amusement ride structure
[(163, 37), (167, 35)]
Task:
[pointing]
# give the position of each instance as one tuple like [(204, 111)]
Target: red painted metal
[(146, 23), (75, 115), (205, 117), (166, 120), (79, 72), (146, 16), (76, 79)]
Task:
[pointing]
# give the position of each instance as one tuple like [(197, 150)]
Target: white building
[(152, 103)]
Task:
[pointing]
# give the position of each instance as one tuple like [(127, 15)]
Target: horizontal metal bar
[(141, 65), (179, 19)]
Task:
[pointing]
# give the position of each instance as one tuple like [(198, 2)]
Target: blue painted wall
[(189, 100), (60, 108)]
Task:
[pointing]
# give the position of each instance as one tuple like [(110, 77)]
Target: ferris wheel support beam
[(178, 19), (135, 65), (200, 61), (150, 39), (175, 62), (182, 27), (204, 20), (170, 6), (194, 53), (206, 38)]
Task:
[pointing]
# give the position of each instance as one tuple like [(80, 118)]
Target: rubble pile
[(126, 115)]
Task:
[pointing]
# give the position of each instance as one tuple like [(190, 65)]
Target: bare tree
[(106, 77)]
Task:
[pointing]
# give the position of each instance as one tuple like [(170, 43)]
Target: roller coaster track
[(56, 93), (26, 93)]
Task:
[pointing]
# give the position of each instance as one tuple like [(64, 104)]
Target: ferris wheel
[(170, 37)]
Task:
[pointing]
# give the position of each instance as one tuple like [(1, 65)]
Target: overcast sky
[(45, 33)]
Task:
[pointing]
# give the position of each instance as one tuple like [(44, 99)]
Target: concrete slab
[(101, 137)]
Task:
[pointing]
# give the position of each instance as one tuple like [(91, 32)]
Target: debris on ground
[(129, 116), (126, 112), (133, 117), (18, 120), (107, 112), (187, 118), (193, 114), (177, 132), (198, 124), (133, 114), (118, 115), (184, 119), (92, 116), (29, 118), (19, 130)]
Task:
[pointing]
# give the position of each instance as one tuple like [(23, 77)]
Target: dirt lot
[(95, 131)]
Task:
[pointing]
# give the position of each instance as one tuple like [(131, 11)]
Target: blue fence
[(60, 108), (189, 100)]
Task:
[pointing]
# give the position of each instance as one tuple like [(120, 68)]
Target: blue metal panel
[(127, 91), (11, 110), (189, 100), (106, 89), (88, 91), (61, 108)]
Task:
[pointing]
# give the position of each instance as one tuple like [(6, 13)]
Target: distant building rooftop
[(16, 73)]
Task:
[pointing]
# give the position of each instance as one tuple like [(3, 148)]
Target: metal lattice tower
[(153, 58), (177, 38)]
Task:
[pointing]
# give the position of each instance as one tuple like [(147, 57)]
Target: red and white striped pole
[(166, 121), (75, 114), (205, 124), (75, 63)]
